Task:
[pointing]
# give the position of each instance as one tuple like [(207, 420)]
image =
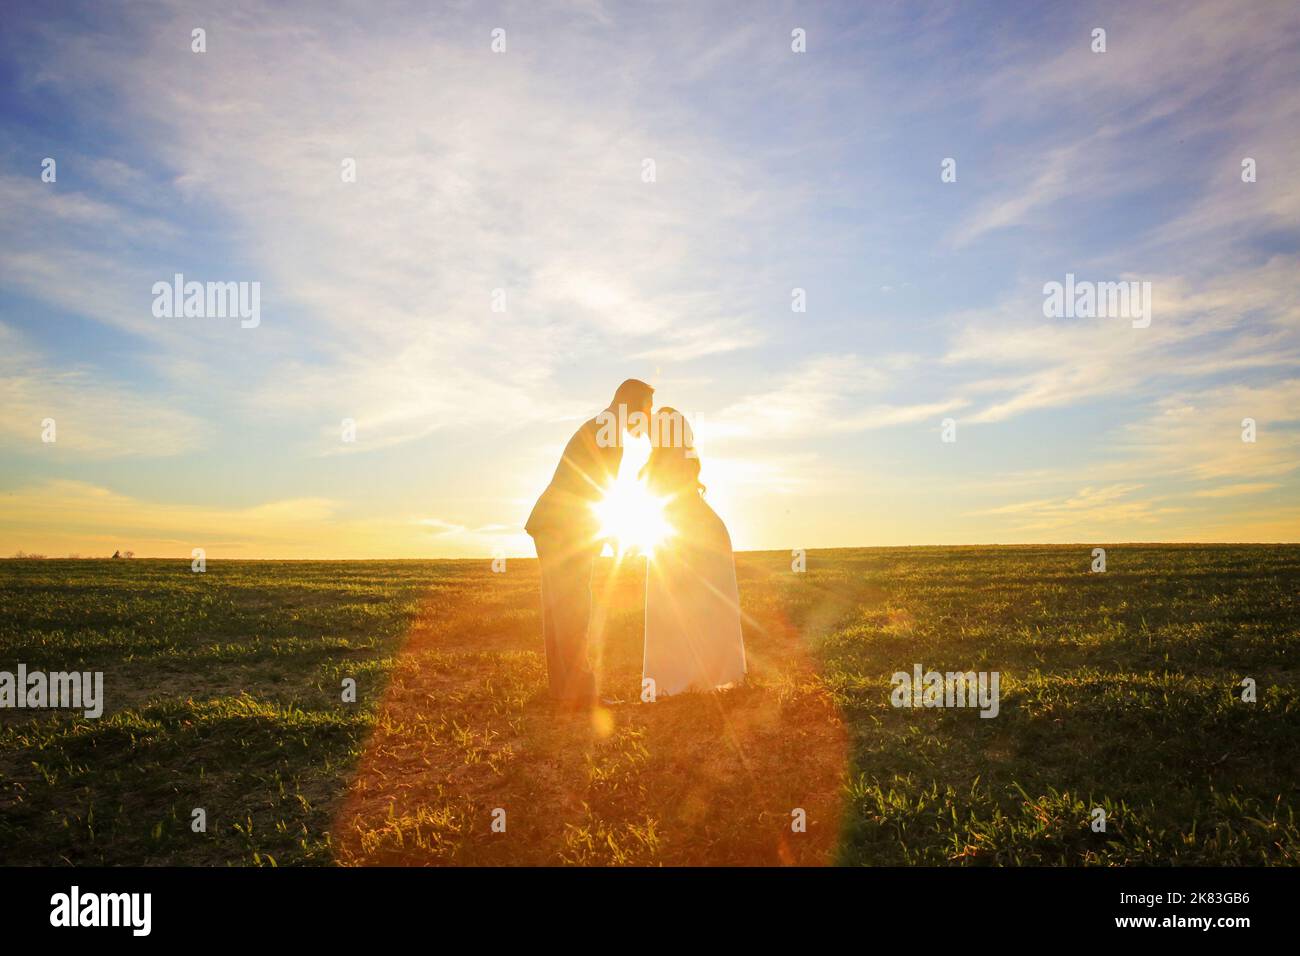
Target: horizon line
[(782, 551)]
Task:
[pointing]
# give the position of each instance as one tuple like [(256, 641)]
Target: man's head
[(636, 396)]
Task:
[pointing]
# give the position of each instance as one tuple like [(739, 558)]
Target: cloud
[(60, 517), (93, 417), (1198, 435), (1232, 491), (1247, 320), (475, 173), (1167, 469), (1052, 183), (1091, 512), (1174, 75), (827, 394)]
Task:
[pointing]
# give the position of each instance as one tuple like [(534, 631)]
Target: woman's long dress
[(693, 639)]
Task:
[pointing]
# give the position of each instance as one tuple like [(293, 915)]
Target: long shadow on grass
[(466, 739)]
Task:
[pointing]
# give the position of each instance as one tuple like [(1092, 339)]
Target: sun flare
[(632, 516)]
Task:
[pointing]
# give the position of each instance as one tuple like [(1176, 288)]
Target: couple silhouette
[(693, 639)]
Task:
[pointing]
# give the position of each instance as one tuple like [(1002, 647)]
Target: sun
[(632, 516), (628, 514)]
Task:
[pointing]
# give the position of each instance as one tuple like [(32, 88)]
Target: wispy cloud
[(91, 416), (522, 187), (1232, 491), (1236, 322), (1090, 513), (1199, 435), (828, 394), (62, 517)]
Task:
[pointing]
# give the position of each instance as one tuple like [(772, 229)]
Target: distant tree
[(116, 555), (130, 554)]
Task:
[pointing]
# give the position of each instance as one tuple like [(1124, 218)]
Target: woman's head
[(674, 467)]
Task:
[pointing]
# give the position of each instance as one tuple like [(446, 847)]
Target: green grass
[(1118, 690)]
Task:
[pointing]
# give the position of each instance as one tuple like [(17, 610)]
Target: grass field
[(223, 691)]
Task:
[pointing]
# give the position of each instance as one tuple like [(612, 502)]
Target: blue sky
[(522, 171)]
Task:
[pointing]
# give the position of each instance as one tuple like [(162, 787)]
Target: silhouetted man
[(565, 530)]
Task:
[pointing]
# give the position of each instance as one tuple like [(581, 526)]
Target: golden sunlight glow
[(633, 516), (629, 513)]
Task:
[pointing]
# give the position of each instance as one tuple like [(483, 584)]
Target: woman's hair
[(674, 467)]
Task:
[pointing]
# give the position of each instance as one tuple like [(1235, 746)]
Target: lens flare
[(633, 517)]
